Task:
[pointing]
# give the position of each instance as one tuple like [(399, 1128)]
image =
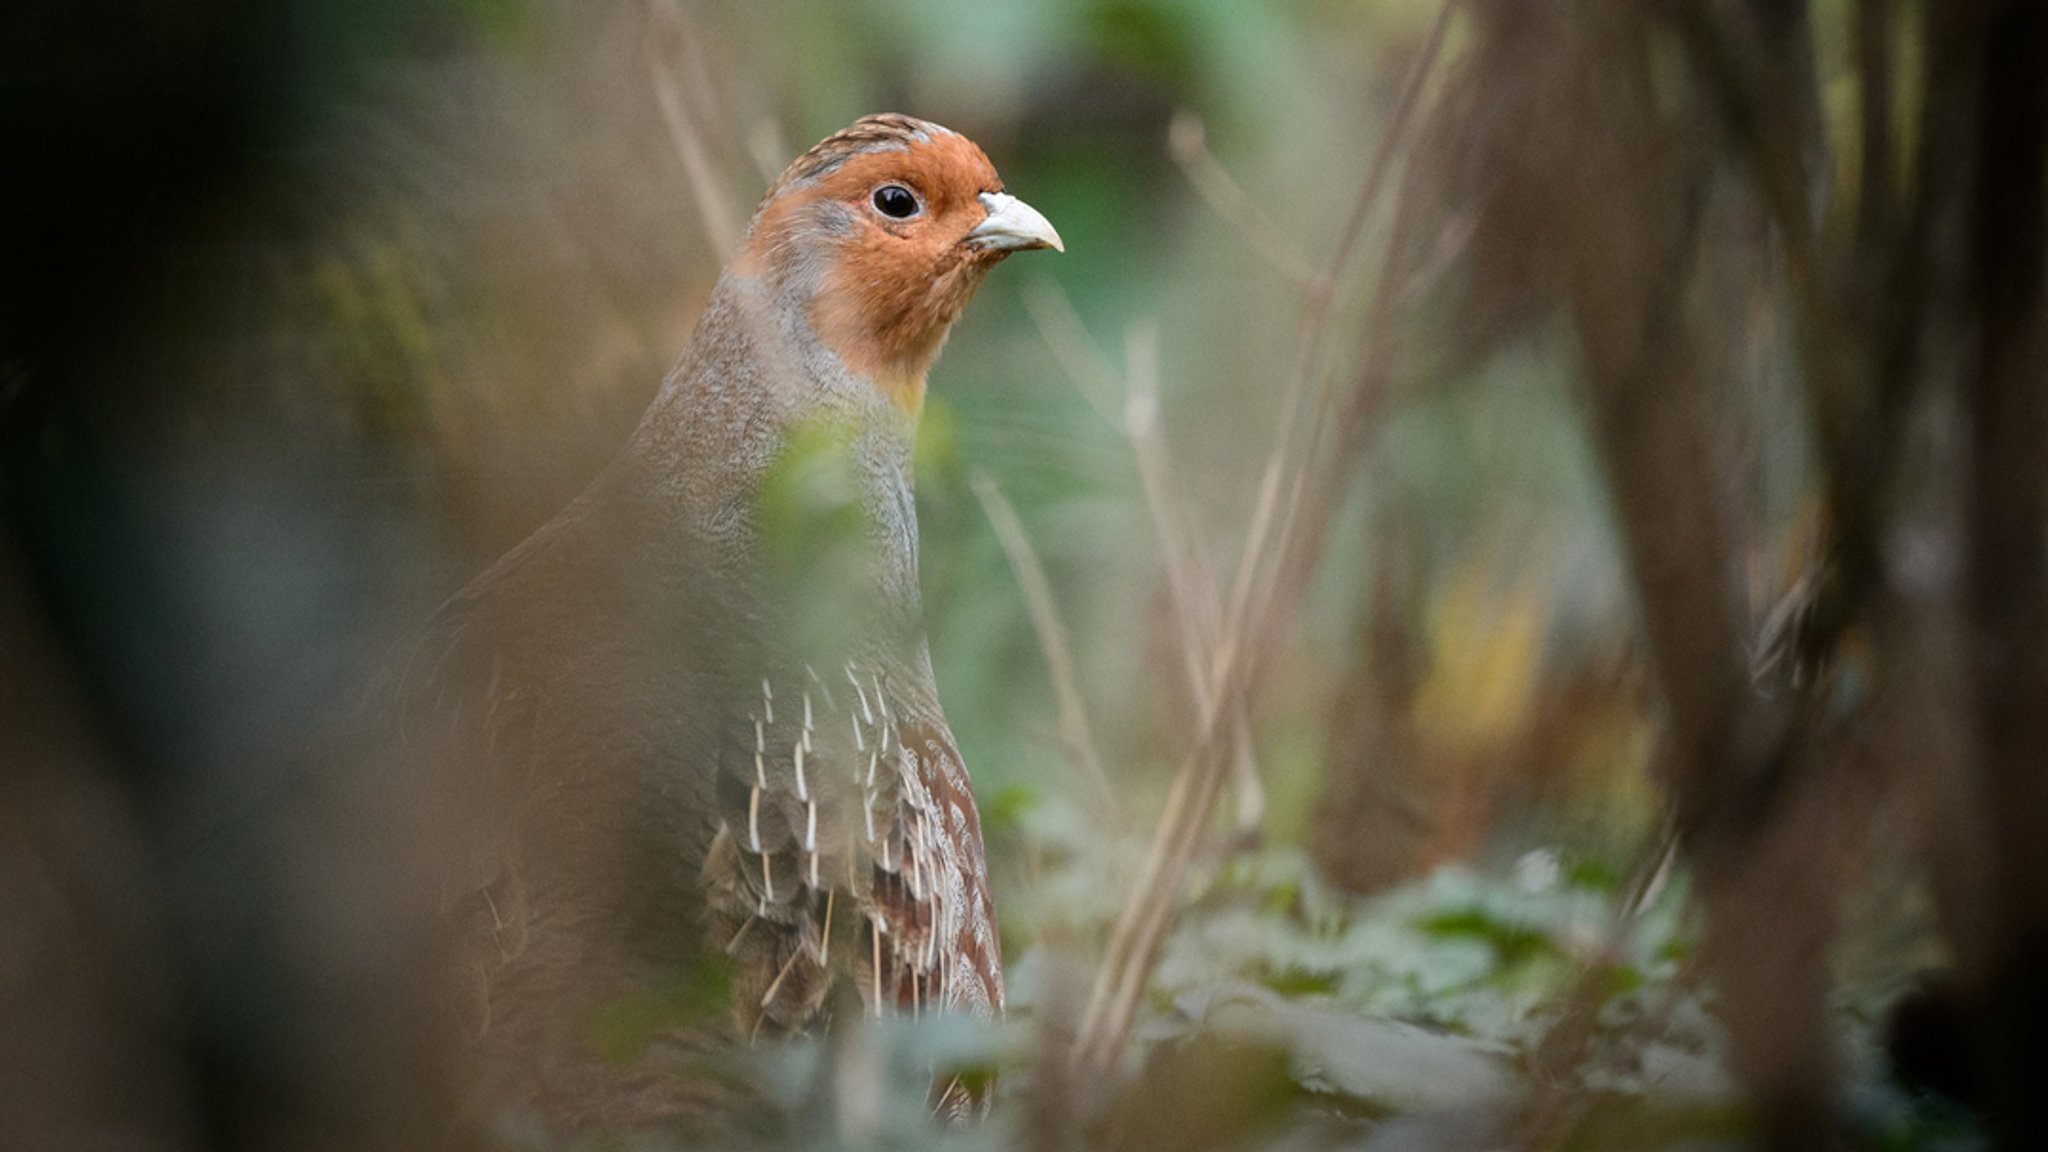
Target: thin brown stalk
[(715, 211), (1149, 911), (1075, 731), (1313, 500), (1190, 583), (1190, 580), (768, 148), (1195, 614), (1315, 318), (1090, 371), (1067, 338), (1141, 929), (1554, 1059), (1187, 142)]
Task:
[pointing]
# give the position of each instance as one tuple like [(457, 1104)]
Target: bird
[(690, 723)]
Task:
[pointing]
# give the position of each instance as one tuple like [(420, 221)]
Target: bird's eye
[(895, 201)]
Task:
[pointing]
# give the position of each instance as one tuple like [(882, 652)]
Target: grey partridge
[(694, 715)]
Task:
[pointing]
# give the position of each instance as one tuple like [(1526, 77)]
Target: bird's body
[(694, 715)]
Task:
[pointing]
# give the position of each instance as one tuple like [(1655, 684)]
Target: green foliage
[(1459, 952), (698, 995), (1149, 38), (814, 535)]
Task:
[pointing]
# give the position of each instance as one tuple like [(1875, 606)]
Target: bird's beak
[(1013, 226)]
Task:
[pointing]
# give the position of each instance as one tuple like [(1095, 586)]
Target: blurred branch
[(1743, 768), (1858, 326), (1310, 334), (1190, 578), (1190, 582), (1556, 1093), (1312, 503), (1148, 911), (1978, 180), (1193, 791), (721, 221), (1061, 329), (1075, 731), (1090, 371), (1186, 140), (769, 149), (1862, 351)]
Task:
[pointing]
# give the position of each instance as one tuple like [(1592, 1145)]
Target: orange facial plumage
[(888, 287)]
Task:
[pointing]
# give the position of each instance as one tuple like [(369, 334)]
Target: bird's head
[(881, 233)]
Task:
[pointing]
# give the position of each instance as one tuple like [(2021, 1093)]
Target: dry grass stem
[(1556, 1093), (1196, 613), (1187, 142), (1148, 912), (1067, 338), (1311, 333), (1075, 731), (1191, 580), (716, 212)]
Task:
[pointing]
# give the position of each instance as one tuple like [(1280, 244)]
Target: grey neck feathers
[(754, 373)]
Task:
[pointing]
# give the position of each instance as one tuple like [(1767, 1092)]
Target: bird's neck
[(752, 386)]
